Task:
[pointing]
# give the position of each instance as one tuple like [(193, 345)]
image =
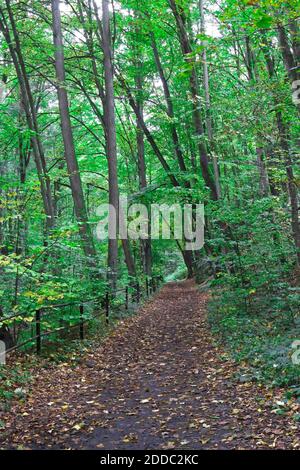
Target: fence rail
[(132, 290)]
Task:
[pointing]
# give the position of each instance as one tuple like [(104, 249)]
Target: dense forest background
[(170, 101)]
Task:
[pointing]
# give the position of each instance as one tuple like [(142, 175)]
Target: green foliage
[(250, 251)]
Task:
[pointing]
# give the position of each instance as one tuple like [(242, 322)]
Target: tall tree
[(187, 52), (209, 123), (111, 141), (10, 32), (70, 155)]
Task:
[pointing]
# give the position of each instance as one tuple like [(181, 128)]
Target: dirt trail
[(156, 383)]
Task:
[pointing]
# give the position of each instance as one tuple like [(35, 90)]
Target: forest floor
[(157, 382)]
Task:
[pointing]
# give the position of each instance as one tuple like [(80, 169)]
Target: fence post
[(107, 307), (38, 331), (2, 352), (151, 285), (138, 292), (81, 325), (126, 298), (147, 287)]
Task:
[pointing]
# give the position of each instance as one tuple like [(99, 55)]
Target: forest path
[(157, 382)]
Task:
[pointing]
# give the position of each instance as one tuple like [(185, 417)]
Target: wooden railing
[(134, 293)]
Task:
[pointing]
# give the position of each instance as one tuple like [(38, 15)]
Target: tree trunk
[(295, 34), (292, 189), (209, 123), (145, 244), (67, 134), (169, 103), (288, 58), (147, 133), (263, 175), (198, 125), (287, 54), (30, 112), (283, 138), (111, 141)]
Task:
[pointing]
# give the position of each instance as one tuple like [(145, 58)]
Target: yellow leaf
[(130, 438), (78, 426)]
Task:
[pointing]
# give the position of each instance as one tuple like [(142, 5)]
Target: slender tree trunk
[(287, 54), (169, 103), (292, 189), (2, 218), (147, 133), (111, 141), (102, 93), (189, 262), (67, 134), (32, 109), (209, 123), (30, 112), (129, 259), (205, 73), (145, 244), (199, 130), (187, 255), (289, 61), (284, 143), (295, 34), (263, 175)]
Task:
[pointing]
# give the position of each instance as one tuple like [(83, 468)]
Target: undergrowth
[(260, 331)]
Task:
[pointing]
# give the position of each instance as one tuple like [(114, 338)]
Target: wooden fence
[(134, 293)]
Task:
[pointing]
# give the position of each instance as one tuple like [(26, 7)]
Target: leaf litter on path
[(157, 382)]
